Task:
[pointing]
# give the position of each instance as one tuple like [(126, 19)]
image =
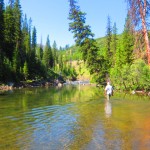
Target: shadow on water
[(73, 118)]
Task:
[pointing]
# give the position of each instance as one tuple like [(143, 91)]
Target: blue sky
[(50, 17)]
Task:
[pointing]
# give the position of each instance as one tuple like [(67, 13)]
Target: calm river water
[(73, 118)]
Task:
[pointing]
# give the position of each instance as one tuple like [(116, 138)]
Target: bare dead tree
[(140, 11)]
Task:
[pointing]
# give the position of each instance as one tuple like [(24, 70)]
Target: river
[(74, 117)]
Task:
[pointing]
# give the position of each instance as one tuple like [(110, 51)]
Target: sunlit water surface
[(73, 118)]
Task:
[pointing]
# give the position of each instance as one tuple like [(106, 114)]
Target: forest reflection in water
[(73, 118)]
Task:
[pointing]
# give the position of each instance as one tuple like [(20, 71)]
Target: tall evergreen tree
[(78, 27), (28, 45), (108, 40), (25, 39), (47, 55), (9, 32), (84, 39), (16, 64), (32, 56), (127, 42), (34, 40), (29, 36), (17, 23), (114, 43), (39, 51), (55, 57), (1, 37), (26, 35), (18, 41), (1, 25)]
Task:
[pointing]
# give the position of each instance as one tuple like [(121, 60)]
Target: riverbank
[(27, 84), (48, 83)]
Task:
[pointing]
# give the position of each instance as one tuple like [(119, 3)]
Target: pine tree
[(47, 55), (39, 51), (55, 57), (17, 23), (78, 27), (119, 52), (16, 63), (114, 43), (108, 41), (9, 32), (1, 25), (32, 56), (34, 40), (26, 36), (18, 41), (25, 40), (1, 37), (84, 39), (127, 42)]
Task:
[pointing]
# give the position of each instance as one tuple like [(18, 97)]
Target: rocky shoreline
[(23, 84)]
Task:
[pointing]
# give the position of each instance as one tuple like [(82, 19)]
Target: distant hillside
[(81, 70), (74, 55)]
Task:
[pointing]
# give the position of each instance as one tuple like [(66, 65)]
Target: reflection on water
[(108, 109), (71, 119)]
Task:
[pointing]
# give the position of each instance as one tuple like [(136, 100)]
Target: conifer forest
[(124, 58)]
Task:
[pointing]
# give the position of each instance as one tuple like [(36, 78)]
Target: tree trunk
[(146, 42), (143, 15)]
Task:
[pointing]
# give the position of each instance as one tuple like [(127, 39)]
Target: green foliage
[(39, 52), (55, 55), (77, 26), (16, 61), (99, 70), (69, 72), (47, 56), (26, 70), (140, 73), (83, 36), (19, 59), (17, 14), (127, 43), (114, 44), (108, 53), (9, 32), (135, 76), (7, 74), (112, 56), (1, 37), (1, 25), (34, 43)]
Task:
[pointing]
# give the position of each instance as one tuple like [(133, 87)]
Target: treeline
[(21, 58), (120, 59), (126, 57)]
